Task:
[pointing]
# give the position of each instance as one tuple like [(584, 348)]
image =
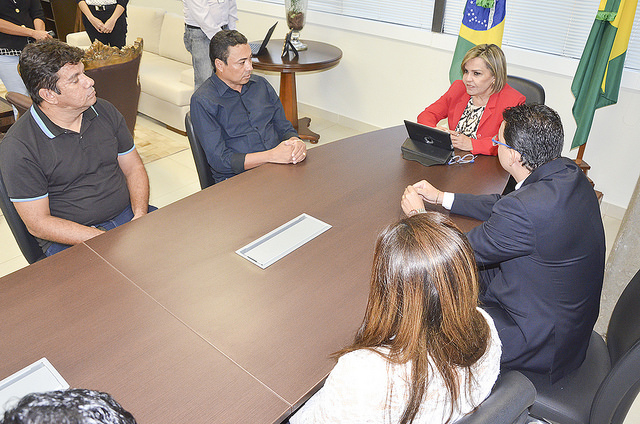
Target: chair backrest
[(116, 80), (21, 102), (624, 326), (199, 157), (620, 388), (533, 91), (27, 243), (508, 402)]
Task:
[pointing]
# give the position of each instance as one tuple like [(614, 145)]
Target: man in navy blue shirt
[(238, 117)]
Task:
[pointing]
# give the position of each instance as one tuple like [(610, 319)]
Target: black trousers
[(117, 37)]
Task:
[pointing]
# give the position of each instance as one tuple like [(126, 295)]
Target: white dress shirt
[(448, 198), (210, 15)]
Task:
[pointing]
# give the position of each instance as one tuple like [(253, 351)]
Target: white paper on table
[(283, 240), (40, 376)]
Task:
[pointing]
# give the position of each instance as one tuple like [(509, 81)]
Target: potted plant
[(296, 14)]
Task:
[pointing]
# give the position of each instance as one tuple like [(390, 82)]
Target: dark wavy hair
[(535, 131), (423, 304), (220, 43), (72, 406), (40, 62)]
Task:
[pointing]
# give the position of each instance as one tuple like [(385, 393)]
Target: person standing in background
[(203, 19), (21, 21), (105, 21)]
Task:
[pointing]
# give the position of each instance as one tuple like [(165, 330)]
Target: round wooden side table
[(319, 56)]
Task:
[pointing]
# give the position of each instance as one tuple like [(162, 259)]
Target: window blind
[(413, 13), (633, 52), (548, 26), (552, 27)]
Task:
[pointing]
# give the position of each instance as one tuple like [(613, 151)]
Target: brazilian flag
[(597, 80), (482, 23)]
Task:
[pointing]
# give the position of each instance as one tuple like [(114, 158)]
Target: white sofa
[(166, 74)]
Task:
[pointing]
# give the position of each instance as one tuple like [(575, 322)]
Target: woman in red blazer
[(474, 104)]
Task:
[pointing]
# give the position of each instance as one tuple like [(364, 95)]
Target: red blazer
[(452, 104)]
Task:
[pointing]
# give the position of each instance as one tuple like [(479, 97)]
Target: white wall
[(389, 73), (173, 6)]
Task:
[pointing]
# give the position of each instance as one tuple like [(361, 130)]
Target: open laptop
[(261, 48), (427, 145)]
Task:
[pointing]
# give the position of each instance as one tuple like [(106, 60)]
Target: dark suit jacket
[(547, 241), (454, 101)]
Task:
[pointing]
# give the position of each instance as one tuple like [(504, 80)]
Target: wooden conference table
[(318, 57), (162, 314)]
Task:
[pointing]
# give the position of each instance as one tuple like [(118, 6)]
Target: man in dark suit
[(540, 248)]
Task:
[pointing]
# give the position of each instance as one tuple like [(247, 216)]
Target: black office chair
[(199, 157), (508, 402), (533, 91), (27, 243), (602, 390)]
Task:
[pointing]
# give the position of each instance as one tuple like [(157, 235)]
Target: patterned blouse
[(470, 119)]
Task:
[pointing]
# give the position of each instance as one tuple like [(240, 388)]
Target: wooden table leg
[(289, 101), (288, 97)]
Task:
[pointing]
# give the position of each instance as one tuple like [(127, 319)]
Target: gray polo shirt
[(78, 172)]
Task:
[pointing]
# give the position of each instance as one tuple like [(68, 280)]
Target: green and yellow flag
[(597, 80), (482, 22)]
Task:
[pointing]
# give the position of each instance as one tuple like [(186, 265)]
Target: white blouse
[(356, 390)]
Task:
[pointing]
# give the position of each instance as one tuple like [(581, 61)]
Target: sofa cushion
[(186, 76), (79, 39), (172, 39), (144, 22), (160, 77)]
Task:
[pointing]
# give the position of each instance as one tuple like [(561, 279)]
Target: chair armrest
[(21, 102), (508, 402)]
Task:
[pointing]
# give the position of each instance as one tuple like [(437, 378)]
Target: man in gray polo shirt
[(69, 164)]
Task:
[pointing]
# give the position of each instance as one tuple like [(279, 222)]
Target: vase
[(296, 14)]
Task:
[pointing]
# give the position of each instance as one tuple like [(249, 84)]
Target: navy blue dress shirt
[(229, 124)]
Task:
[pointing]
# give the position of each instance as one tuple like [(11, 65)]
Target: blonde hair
[(423, 305), (494, 59)]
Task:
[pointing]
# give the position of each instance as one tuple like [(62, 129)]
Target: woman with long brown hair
[(425, 352)]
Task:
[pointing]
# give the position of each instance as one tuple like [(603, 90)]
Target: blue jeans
[(197, 43), (9, 74), (10, 77), (122, 218)]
